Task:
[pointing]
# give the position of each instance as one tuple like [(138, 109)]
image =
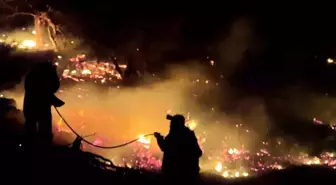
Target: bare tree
[(41, 20)]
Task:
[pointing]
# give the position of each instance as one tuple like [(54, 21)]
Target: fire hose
[(92, 144)]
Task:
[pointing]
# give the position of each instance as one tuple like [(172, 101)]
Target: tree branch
[(58, 29), (20, 13), (7, 6)]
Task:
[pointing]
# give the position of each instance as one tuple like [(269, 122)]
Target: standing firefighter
[(40, 85), (181, 151)]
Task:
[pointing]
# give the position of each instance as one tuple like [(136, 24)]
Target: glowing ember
[(219, 167), (144, 140), (28, 44), (86, 72), (192, 125), (330, 60), (233, 151)]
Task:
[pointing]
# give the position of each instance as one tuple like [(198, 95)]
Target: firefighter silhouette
[(40, 85), (181, 151)]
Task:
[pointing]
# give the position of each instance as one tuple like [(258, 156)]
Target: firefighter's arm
[(160, 140), (196, 146)]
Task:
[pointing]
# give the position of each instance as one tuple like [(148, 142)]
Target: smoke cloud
[(118, 115)]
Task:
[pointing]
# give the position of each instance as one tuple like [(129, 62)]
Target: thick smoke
[(121, 114)]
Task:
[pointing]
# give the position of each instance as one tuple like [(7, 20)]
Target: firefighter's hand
[(57, 102), (157, 135)]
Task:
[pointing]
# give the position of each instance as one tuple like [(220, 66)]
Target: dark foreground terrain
[(62, 165)]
